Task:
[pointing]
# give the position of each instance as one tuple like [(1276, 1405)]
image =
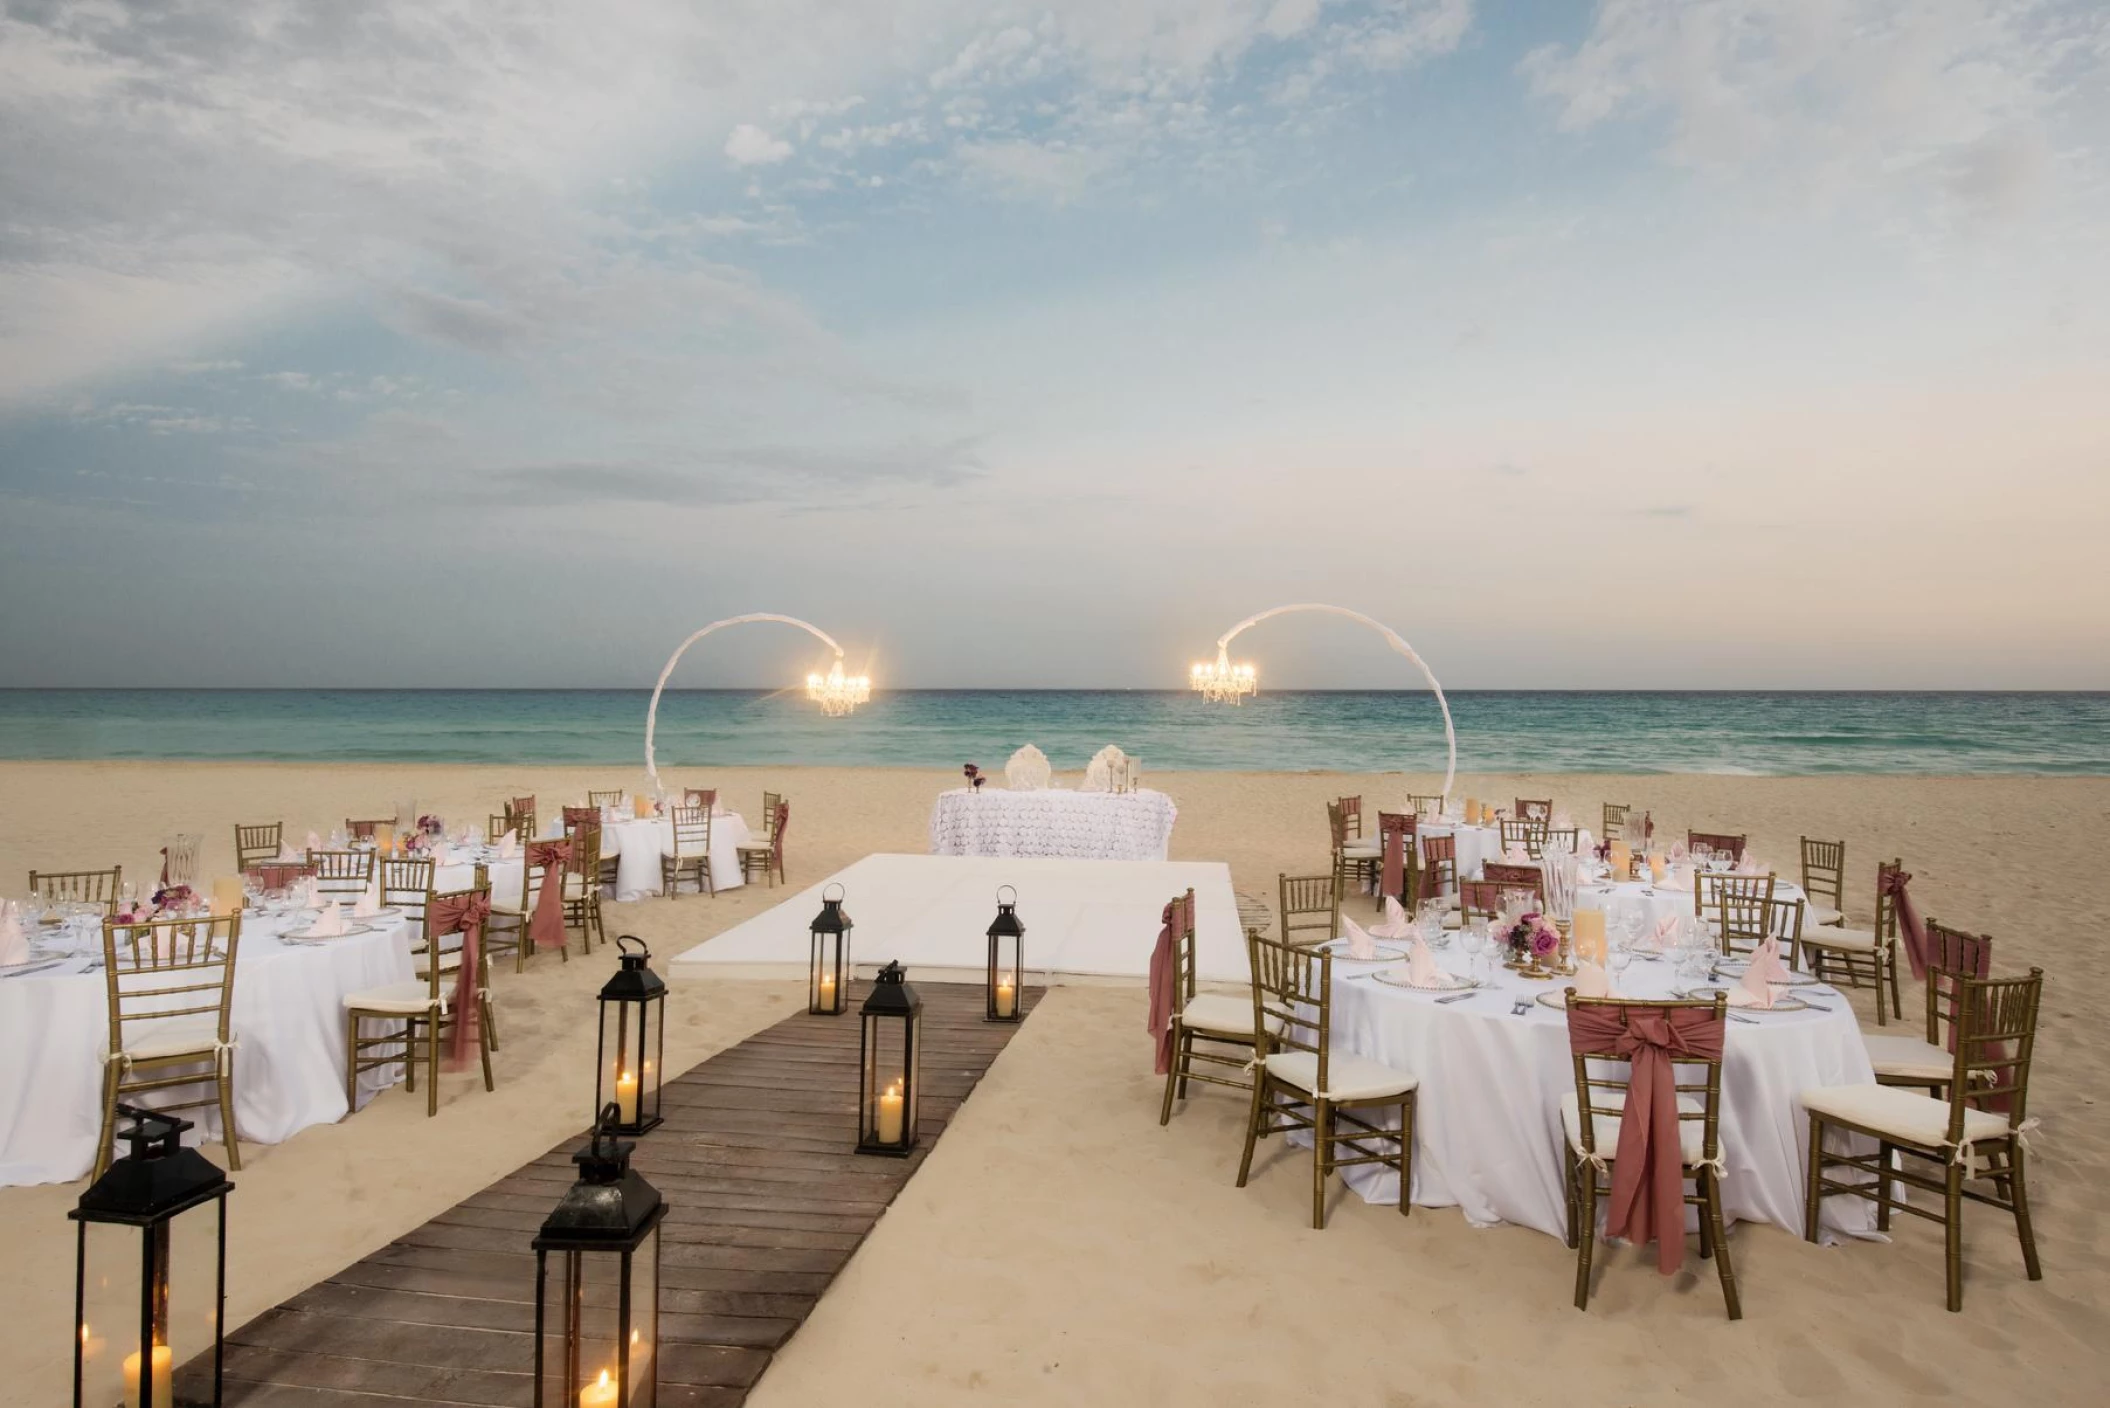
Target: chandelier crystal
[(1223, 682), (836, 692)]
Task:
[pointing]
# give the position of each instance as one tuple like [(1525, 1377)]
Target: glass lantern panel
[(889, 1080), (1004, 976), (625, 1058), (583, 1329), (125, 1325)]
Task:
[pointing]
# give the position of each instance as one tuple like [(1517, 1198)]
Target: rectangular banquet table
[(1053, 822), (1488, 1126), (287, 1024)]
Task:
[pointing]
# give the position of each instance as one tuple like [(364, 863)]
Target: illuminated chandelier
[(1223, 682), (836, 692)]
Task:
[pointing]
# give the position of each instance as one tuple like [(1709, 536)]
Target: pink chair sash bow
[(546, 927), (1893, 883), (464, 915), (1648, 1176), (1165, 979), (1395, 829)]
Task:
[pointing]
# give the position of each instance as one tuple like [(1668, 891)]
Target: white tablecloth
[(1488, 1132), (638, 846), (1476, 846), (1655, 901), (1053, 823), (287, 1022)]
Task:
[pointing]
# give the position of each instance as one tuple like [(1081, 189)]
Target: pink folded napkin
[(1591, 980), (1753, 989), (369, 902), (14, 944), (1360, 945), (286, 852), (1748, 865), (314, 841), (1664, 935), (1517, 855), (329, 924), (310, 894), (1396, 925), (509, 844), (1675, 878), (442, 853), (1422, 971), (1766, 965)]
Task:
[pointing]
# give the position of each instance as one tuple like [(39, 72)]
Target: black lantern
[(828, 989), (597, 1317), (633, 1038), (889, 1050), (1007, 960), (180, 1300)]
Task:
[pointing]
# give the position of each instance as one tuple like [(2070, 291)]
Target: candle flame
[(604, 1380)]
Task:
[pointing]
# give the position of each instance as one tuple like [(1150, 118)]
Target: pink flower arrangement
[(973, 775), (1529, 935)]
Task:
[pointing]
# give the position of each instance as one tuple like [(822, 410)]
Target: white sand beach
[(1059, 1247)]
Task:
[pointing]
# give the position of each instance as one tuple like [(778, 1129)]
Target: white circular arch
[(1393, 639), (652, 713)]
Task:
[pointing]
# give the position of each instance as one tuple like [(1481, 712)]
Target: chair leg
[(1586, 1230), (111, 1075), (490, 1020), (1321, 1160), (487, 1042), (1813, 1179), (432, 1066), (1569, 1164), (2021, 1200), (1252, 1125), (1406, 1155), (225, 1081), (1883, 1157), (1711, 1189), (410, 1055), (1897, 1004), (351, 1063), (1952, 1227)]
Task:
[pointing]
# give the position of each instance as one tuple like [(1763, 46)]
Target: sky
[(1655, 343)]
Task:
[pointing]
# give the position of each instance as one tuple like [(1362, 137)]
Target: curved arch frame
[(1392, 638), (652, 713)]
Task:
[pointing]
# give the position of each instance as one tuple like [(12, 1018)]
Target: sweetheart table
[(1053, 822), (287, 1024), (1488, 1125)]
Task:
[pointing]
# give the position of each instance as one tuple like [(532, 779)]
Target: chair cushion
[(1692, 1134), (1902, 1116), (1816, 913), (1211, 1012), (1353, 1077), (411, 997), (171, 1036), (1909, 1056), (1849, 940), (1362, 850)]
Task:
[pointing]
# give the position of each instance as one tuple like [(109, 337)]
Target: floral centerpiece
[(1531, 939), (974, 776)]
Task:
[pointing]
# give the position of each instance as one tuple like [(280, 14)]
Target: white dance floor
[(1084, 918)]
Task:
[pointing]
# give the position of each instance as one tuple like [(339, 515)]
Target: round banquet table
[(1057, 822), (1488, 1127), (1655, 901), (287, 1024), (1476, 846), (638, 845)]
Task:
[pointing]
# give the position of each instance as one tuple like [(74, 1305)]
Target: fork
[(1521, 1008)]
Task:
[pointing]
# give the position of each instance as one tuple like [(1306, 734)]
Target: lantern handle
[(621, 939), (835, 885), (1000, 894)]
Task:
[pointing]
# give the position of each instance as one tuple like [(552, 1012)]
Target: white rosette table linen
[(638, 846), (1488, 1127), (1058, 824), (288, 1028)]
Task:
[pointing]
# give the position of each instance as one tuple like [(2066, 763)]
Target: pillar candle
[(1006, 997), (890, 1114), (1472, 811), (162, 1382), (1589, 935), (828, 988), (227, 895), (599, 1394), (626, 1097)]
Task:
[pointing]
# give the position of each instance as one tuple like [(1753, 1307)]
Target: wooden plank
[(767, 1199)]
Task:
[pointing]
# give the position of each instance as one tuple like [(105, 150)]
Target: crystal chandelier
[(836, 692), (1223, 682)]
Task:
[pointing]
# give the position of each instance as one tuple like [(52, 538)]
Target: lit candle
[(163, 1379), (890, 1114), (828, 989), (1006, 996), (91, 1344), (1589, 935), (626, 1097), (598, 1394)]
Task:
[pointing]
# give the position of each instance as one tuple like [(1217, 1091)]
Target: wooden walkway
[(767, 1201)]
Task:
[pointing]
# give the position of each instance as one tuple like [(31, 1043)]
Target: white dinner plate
[(1456, 984), (308, 937), (1339, 949)]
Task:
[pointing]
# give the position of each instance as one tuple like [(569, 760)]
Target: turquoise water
[(1498, 731)]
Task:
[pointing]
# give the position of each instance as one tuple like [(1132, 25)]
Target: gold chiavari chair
[(342, 875), (170, 985), (1439, 869), (1531, 835), (449, 946), (406, 884), (521, 805), (1535, 809), (691, 854), (1614, 821), (598, 800), (1591, 1117), (1302, 1084), (256, 843), (1975, 1135), (371, 829), (79, 886), (1351, 816), (497, 824), (1862, 953), (1406, 825), (1741, 907), (1428, 804), (1824, 880), (513, 909), (1784, 921), (421, 1003), (768, 857), (1211, 1029), (1486, 899), (608, 863), (581, 882), (1906, 1060), (1528, 876), (1311, 908), (770, 802), (1721, 843), (1354, 859), (1566, 839)]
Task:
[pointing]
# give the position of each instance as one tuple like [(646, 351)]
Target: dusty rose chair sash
[(546, 928), (1893, 884), (464, 915), (1648, 1176), (277, 875), (1434, 849), (1396, 829), (1165, 979), (705, 797)]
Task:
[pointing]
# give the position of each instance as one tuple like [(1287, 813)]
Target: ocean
[(1350, 731)]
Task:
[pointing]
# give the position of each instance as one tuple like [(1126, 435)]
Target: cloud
[(749, 145), (752, 474), (204, 368), (1055, 173), (290, 381)]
